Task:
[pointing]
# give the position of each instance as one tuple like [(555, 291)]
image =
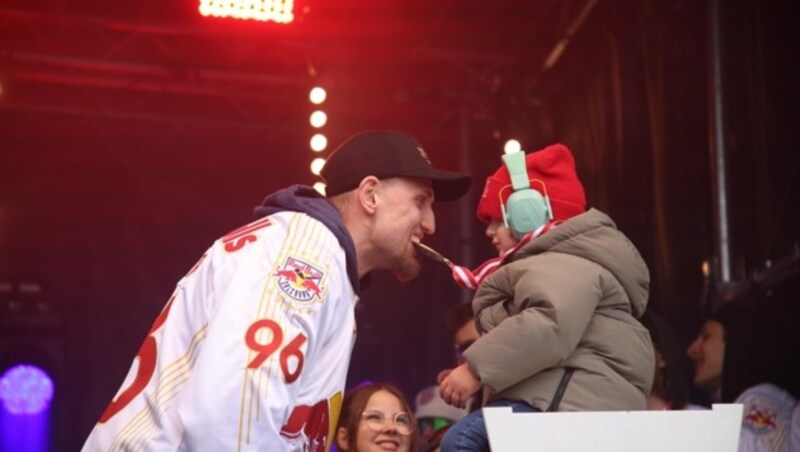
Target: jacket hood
[(302, 198), (594, 236)]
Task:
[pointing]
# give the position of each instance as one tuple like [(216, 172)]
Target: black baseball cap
[(385, 154)]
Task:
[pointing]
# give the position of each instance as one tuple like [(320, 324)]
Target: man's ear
[(367, 193), (341, 439)]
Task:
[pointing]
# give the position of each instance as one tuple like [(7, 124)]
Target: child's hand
[(458, 385), (441, 376)]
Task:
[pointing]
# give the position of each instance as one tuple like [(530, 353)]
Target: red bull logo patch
[(300, 280), (760, 419)]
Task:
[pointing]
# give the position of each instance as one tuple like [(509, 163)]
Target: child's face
[(501, 236)]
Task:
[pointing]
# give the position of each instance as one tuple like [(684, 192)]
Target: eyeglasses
[(461, 348), (376, 421)]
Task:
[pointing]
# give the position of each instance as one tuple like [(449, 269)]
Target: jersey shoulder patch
[(301, 280)]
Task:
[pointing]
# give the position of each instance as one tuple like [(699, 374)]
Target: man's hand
[(458, 385)]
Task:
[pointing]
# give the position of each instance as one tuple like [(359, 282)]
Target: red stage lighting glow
[(264, 10)]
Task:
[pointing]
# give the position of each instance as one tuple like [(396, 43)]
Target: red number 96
[(274, 342)]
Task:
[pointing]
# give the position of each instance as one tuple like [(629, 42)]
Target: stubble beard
[(407, 268)]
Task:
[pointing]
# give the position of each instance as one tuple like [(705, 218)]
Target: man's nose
[(428, 222)]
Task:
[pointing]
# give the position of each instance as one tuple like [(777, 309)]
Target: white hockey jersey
[(250, 352), (767, 419)]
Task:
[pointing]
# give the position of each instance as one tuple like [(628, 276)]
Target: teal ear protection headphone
[(526, 209)]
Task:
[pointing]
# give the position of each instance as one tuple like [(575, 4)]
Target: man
[(252, 349), (737, 359)]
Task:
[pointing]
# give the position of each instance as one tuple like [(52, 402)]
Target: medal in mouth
[(430, 252)]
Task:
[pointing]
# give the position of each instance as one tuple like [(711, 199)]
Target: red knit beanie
[(555, 167)]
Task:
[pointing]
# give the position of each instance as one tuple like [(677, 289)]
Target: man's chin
[(407, 270)]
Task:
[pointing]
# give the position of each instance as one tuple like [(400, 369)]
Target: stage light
[(316, 165), (318, 142), (26, 389), (32, 363), (317, 95), (280, 11), (512, 146), (318, 118)]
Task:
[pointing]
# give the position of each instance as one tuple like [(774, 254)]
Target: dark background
[(133, 134)]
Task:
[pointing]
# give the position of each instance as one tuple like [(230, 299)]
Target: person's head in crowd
[(460, 325), (551, 172), (376, 417), (433, 413), (733, 350), (384, 184), (671, 383), (434, 443)]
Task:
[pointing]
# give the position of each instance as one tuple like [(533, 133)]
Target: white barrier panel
[(711, 430)]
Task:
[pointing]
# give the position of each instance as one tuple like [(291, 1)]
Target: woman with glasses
[(376, 417)]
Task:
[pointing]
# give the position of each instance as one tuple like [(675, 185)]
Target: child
[(558, 312)]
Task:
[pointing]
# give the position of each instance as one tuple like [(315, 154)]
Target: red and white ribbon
[(471, 279)]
